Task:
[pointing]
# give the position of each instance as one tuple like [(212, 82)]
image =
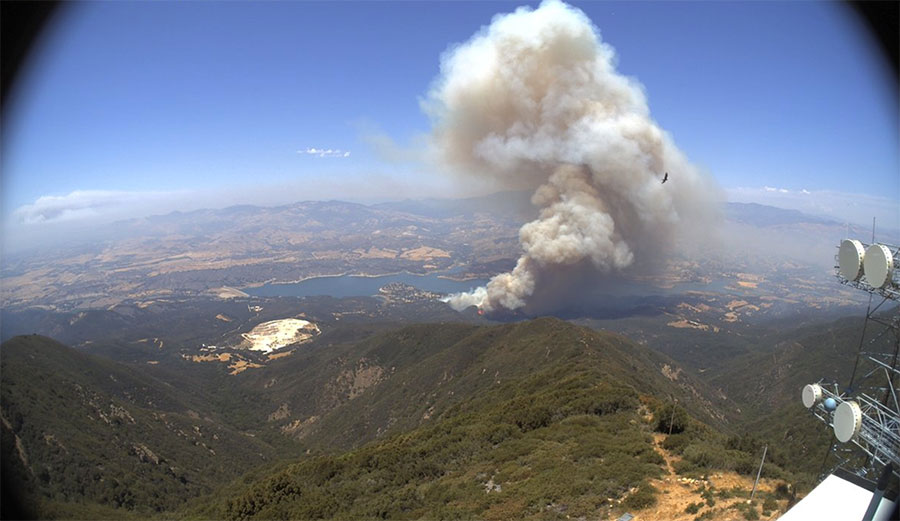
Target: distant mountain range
[(762, 215), (189, 255), (507, 205)]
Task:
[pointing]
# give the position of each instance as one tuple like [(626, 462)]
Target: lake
[(357, 286)]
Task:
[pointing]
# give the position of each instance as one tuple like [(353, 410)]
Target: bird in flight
[(666, 178)]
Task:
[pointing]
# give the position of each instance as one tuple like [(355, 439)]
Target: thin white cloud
[(85, 204), (88, 206), (324, 152), (77, 215)]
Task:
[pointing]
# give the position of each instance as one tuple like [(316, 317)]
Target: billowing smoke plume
[(534, 100)]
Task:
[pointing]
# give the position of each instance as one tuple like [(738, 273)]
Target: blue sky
[(136, 107)]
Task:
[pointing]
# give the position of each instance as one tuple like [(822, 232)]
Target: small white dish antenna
[(879, 265), (850, 259), (812, 394), (847, 421)]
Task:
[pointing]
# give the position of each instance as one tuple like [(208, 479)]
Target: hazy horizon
[(794, 123), (90, 227)]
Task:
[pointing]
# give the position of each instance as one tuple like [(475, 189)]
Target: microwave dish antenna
[(847, 421), (850, 259), (864, 413), (812, 394), (879, 266)]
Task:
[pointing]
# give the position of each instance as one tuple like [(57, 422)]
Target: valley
[(651, 396), (220, 253), (180, 256)]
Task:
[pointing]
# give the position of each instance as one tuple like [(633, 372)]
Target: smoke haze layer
[(534, 101)]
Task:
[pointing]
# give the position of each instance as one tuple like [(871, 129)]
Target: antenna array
[(866, 413)]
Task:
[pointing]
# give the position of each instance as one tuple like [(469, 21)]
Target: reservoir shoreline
[(360, 285)]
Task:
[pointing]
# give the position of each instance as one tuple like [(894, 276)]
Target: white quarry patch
[(275, 334)]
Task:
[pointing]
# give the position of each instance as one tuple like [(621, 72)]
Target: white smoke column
[(534, 101)]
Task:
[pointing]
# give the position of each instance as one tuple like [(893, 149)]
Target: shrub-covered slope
[(539, 419), (346, 394), (82, 429), (535, 419), (563, 438)]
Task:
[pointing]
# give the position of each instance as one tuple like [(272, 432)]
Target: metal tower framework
[(865, 415)]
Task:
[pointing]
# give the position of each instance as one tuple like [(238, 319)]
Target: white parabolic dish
[(850, 259), (812, 393), (879, 265), (847, 421)]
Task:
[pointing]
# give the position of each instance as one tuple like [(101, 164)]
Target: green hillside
[(518, 451), (536, 419), (82, 429), (773, 375), (343, 393), (768, 383)]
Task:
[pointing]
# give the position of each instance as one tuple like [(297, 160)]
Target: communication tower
[(865, 414)]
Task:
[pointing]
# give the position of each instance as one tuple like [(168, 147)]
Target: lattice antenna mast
[(865, 415)]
